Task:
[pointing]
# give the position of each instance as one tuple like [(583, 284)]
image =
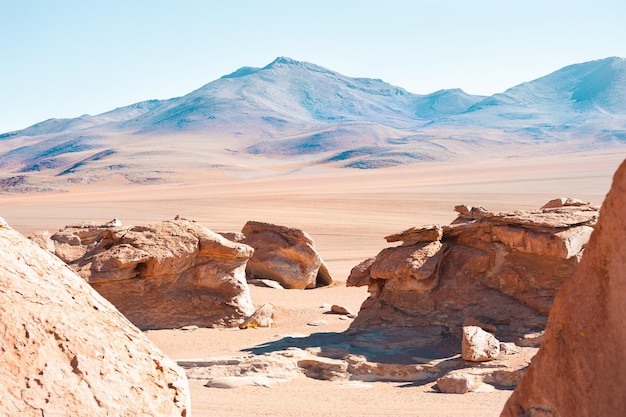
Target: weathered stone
[(479, 345), (262, 317), (508, 348), (563, 202), (285, 255), (360, 274), (458, 382), (66, 351), (579, 368), (162, 275), (417, 235), (471, 321), (266, 283), (504, 268), (337, 309)]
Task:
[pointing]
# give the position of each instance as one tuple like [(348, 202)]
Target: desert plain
[(348, 212)]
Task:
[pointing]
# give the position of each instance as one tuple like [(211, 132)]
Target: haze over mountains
[(290, 114)]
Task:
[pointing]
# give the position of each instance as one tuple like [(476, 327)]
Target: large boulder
[(579, 369), (163, 275), (66, 351), (504, 269), (285, 255)]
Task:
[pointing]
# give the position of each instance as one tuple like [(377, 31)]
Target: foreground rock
[(66, 351), (285, 255), (163, 275), (580, 369), (503, 269)]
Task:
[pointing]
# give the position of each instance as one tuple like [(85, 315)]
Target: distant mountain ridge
[(291, 111)]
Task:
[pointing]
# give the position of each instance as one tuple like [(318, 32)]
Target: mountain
[(256, 120)]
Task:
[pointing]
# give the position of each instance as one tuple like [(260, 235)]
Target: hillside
[(290, 115)]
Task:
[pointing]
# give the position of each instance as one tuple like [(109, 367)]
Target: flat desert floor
[(348, 213)]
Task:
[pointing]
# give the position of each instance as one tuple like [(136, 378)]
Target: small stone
[(471, 321), (262, 317), (508, 348), (458, 383), (342, 310), (479, 345), (317, 323)]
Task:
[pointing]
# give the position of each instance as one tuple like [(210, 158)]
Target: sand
[(348, 213)]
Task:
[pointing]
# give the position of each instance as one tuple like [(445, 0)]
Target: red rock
[(579, 368), (416, 235), (285, 255), (163, 275), (66, 351), (505, 268), (471, 321)]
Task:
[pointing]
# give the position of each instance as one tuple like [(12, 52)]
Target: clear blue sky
[(66, 58)]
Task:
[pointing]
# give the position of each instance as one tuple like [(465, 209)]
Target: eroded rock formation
[(503, 269), (163, 275), (66, 351), (285, 255), (580, 369)]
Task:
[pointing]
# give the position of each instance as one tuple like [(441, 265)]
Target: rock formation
[(66, 351), (580, 369), (285, 255), (163, 275), (504, 269)]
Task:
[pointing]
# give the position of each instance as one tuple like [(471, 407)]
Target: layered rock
[(66, 351), (579, 369), (503, 269), (285, 255), (163, 275)]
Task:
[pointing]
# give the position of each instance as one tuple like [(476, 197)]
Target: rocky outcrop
[(285, 255), (163, 275), (66, 351), (503, 269), (580, 369)]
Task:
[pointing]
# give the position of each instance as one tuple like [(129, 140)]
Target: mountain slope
[(256, 121)]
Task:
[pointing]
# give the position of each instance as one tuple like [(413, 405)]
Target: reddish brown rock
[(285, 255), (580, 367), (163, 275), (471, 321), (66, 351), (504, 268)]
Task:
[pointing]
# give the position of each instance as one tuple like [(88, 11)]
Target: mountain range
[(291, 114)]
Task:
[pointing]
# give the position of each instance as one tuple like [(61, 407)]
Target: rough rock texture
[(285, 255), (458, 382), (503, 269), (163, 275), (479, 345), (66, 351), (580, 368), (262, 317)]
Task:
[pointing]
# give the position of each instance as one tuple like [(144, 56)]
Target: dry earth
[(347, 212)]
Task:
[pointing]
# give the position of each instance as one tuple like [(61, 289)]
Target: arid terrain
[(348, 213)]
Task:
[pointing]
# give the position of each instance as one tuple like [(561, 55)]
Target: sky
[(63, 58)]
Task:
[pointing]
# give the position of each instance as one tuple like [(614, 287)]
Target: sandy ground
[(348, 213)]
